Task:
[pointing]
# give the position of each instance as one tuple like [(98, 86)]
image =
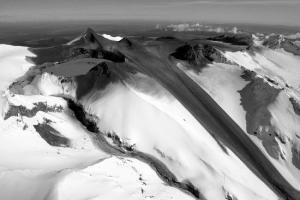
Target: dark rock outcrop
[(296, 105), (23, 111), (51, 135), (255, 99), (279, 41), (198, 54), (235, 39)]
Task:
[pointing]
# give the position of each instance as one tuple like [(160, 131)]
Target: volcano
[(168, 117)]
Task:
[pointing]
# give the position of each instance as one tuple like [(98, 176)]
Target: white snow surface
[(223, 83), (40, 171), (50, 84), (113, 38), (74, 40), (145, 114), (287, 124), (31, 169), (13, 63), (283, 67), (116, 178), (279, 65)]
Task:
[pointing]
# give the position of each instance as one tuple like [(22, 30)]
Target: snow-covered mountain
[(106, 117)]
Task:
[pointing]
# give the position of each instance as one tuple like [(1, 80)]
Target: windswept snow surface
[(146, 115)]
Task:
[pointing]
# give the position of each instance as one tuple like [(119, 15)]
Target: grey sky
[(282, 12)]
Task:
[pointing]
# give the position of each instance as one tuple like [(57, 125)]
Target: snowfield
[(124, 130), (14, 63), (146, 115), (116, 178), (215, 80), (113, 38), (287, 124), (279, 65), (283, 67), (31, 169), (29, 166)]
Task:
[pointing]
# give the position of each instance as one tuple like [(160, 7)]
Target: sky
[(279, 12)]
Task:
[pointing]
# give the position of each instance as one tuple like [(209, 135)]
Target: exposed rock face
[(273, 41), (255, 98), (50, 135), (114, 56), (296, 105), (23, 111), (296, 156), (235, 39), (279, 41), (98, 77), (81, 52), (199, 54)]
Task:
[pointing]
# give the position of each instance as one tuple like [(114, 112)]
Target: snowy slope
[(215, 80), (146, 115), (222, 82), (29, 166), (281, 66), (116, 178), (138, 139), (43, 171), (13, 64), (34, 167), (13, 60)]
